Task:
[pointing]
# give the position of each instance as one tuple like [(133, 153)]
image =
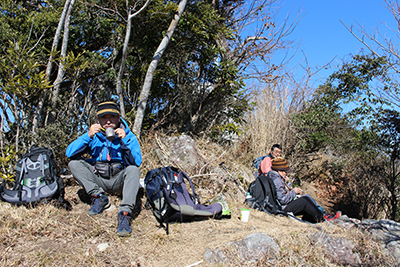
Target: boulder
[(339, 250), (251, 249), (180, 151)]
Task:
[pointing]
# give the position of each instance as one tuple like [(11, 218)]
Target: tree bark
[(63, 54), (124, 56), (50, 64), (152, 68)]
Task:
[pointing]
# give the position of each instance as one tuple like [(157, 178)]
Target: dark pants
[(304, 206)]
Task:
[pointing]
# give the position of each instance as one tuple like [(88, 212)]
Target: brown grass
[(268, 123), (46, 236)]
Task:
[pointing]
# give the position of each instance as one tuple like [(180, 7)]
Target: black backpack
[(263, 196), (36, 179), (170, 200)]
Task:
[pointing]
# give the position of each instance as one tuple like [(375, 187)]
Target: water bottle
[(248, 200)]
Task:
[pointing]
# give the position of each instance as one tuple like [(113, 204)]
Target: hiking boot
[(332, 217), (99, 203), (124, 223)]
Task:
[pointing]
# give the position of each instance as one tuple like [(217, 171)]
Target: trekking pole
[(223, 167)]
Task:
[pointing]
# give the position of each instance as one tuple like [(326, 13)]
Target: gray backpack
[(36, 179)]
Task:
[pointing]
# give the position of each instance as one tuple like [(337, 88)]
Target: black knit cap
[(108, 107), (280, 164)]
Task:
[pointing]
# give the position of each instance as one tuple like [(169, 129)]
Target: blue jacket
[(125, 151)]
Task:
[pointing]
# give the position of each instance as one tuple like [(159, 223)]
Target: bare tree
[(380, 45), (259, 35), (153, 66), (63, 54), (50, 63), (125, 54)]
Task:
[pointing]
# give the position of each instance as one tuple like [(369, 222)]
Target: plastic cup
[(244, 215)]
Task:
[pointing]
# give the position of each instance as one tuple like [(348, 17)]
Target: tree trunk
[(393, 187), (50, 64), (1, 129), (63, 54), (56, 38), (124, 56), (122, 68), (153, 66)]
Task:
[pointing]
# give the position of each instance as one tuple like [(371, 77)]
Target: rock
[(102, 246), (214, 256), (339, 250), (183, 152), (255, 246), (250, 249), (346, 222), (394, 250), (386, 232)]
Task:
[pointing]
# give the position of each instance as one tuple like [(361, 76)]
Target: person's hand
[(298, 191), (290, 185), (120, 133), (94, 129)]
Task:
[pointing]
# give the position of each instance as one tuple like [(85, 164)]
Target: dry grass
[(46, 236), (268, 123)]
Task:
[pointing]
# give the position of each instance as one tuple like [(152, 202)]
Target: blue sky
[(321, 36)]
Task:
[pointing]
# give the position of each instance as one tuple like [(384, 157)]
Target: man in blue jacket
[(113, 166)]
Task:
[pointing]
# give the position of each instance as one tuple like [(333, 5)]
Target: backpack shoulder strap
[(185, 176), (22, 171), (167, 174), (273, 191), (42, 158), (258, 159), (158, 172)]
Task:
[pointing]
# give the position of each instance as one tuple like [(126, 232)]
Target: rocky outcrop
[(386, 232), (341, 251), (179, 151), (251, 249)]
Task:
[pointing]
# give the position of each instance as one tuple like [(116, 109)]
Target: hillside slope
[(46, 236)]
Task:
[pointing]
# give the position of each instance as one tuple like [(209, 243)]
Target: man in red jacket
[(265, 166)]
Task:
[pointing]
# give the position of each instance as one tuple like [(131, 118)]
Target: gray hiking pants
[(125, 183)]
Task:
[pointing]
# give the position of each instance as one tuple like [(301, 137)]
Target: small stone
[(102, 246)]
